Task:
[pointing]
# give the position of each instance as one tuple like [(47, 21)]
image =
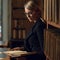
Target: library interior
[(14, 27)]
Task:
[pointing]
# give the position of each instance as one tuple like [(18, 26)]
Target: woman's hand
[(18, 48)]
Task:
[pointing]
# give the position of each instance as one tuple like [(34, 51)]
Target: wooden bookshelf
[(18, 19), (51, 44), (51, 34), (52, 12)]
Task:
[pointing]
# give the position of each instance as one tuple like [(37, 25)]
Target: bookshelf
[(51, 44), (18, 19), (52, 12), (51, 34), (18, 29)]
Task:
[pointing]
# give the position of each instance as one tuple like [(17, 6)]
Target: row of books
[(52, 45), (18, 30), (52, 11), (17, 23), (18, 34)]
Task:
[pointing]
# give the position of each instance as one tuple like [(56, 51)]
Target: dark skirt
[(36, 57)]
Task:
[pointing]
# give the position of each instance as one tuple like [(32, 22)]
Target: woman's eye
[(28, 13)]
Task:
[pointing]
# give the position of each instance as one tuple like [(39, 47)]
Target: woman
[(35, 39)]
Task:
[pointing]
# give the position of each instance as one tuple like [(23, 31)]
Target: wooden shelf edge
[(54, 24)]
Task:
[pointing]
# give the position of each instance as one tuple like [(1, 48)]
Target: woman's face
[(31, 15)]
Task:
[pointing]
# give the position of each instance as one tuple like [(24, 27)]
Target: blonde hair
[(32, 5)]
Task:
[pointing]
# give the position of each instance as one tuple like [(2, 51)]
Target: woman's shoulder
[(39, 24)]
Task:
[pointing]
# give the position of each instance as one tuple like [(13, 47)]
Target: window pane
[(0, 19)]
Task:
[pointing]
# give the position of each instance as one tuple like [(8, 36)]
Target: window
[(4, 20), (0, 19)]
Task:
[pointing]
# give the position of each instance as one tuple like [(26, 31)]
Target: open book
[(17, 53), (14, 53)]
